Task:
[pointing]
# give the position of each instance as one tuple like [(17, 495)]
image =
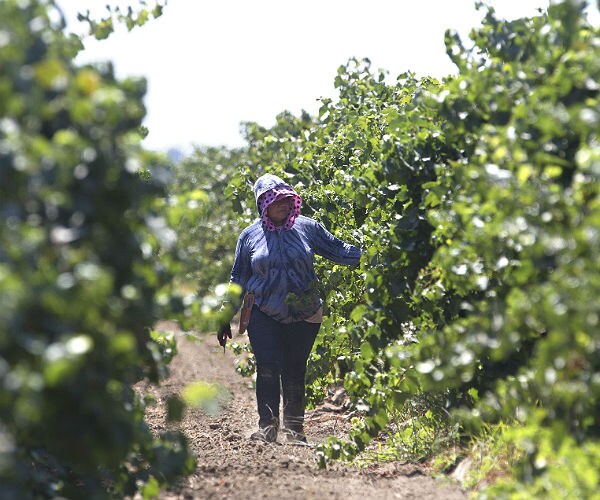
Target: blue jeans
[(281, 351)]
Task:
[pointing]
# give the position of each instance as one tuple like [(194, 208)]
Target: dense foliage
[(476, 202), (77, 273), (202, 215)]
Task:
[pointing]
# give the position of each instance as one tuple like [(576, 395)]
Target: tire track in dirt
[(230, 466)]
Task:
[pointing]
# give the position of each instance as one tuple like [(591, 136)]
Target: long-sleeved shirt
[(278, 266)]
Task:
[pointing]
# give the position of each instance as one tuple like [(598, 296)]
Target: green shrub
[(475, 200), (77, 275)]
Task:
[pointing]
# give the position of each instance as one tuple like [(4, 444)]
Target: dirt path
[(230, 466)]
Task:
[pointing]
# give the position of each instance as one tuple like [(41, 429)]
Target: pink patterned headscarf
[(277, 194)]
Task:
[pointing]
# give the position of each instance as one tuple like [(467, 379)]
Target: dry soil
[(231, 466)]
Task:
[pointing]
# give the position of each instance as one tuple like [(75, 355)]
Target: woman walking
[(274, 264)]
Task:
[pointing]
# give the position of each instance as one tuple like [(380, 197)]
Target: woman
[(274, 260)]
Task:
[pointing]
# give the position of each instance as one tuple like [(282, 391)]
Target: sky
[(212, 65)]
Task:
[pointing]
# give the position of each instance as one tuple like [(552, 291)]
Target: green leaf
[(358, 313), (151, 489)]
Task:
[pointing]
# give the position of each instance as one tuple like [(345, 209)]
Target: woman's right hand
[(223, 334)]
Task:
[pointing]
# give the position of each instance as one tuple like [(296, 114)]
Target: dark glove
[(223, 334)]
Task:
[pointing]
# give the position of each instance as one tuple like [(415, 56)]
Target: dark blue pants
[(281, 351)]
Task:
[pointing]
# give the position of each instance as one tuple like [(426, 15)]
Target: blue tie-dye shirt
[(278, 266), (274, 263)]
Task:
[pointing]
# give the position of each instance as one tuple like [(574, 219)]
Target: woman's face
[(279, 210)]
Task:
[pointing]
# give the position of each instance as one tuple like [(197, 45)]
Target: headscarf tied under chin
[(276, 194)]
